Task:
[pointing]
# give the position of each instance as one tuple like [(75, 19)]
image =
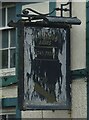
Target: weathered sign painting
[(44, 66)]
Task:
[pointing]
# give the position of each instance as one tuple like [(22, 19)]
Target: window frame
[(20, 66), (7, 71), (9, 47), (6, 14)]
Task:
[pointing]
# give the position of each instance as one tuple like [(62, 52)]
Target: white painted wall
[(40, 7), (46, 114), (78, 37), (8, 92), (7, 72), (79, 98), (78, 61)]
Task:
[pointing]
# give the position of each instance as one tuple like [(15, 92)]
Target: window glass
[(12, 58), (13, 38), (4, 38), (11, 14), (4, 58), (3, 17)]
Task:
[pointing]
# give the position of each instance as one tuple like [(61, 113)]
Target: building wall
[(78, 37), (40, 7), (79, 98), (78, 61), (8, 89), (8, 92)]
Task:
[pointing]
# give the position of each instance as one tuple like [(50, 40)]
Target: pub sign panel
[(44, 64)]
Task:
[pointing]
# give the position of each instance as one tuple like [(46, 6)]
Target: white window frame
[(6, 17), (7, 71)]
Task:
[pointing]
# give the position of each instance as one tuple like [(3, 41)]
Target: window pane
[(11, 14), (4, 58), (4, 38), (12, 58), (13, 38), (3, 17)]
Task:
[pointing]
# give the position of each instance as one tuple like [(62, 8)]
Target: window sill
[(5, 28), (7, 72)]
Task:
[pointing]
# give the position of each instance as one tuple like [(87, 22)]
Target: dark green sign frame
[(21, 68)]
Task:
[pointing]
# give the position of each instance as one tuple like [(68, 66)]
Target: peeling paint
[(44, 66)]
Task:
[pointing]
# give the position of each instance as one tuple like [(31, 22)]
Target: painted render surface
[(79, 99), (78, 61), (8, 92)]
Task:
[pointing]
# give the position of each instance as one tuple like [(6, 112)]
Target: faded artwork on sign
[(44, 66)]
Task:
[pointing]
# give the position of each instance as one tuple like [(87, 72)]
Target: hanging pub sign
[(44, 67), (43, 61)]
